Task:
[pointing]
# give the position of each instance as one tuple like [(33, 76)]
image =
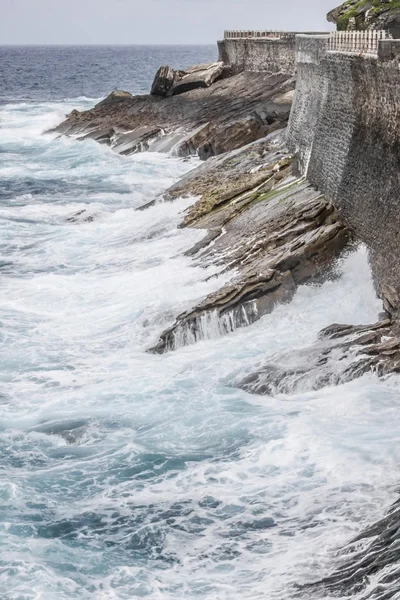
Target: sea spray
[(126, 474)]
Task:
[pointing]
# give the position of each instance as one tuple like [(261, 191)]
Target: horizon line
[(103, 45)]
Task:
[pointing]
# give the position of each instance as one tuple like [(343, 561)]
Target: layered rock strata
[(209, 120), (272, 230), (369, 561), (341, 354), (169, 82)]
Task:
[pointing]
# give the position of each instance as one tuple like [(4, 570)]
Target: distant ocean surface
[(38, 73), (125, 475)]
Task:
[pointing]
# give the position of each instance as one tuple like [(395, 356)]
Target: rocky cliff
[(367, 14)]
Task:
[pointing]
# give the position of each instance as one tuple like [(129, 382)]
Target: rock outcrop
[(273, 230), (342, 353), (163, 81), (201, 76), (229, 113), (371, 559), (264, 223), (169, 82), (367, 14), (234, 135)]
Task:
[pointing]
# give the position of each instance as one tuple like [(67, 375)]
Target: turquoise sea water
[(127, 475)]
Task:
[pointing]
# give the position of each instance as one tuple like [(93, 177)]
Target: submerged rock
[(341, 354), (82, 216), (370, 566)]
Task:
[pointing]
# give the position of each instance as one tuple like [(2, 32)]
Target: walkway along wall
[(345, 128)]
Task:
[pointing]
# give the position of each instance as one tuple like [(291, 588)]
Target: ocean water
[(127, 475)]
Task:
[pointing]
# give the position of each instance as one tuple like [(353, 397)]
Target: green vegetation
[(355, 9)]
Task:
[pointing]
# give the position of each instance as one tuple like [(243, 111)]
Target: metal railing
[(359, 42)]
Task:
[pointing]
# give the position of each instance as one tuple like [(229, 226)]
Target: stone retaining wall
[(345, 127), (264, 54)]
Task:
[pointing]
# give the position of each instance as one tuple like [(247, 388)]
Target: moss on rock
[(367, 14)]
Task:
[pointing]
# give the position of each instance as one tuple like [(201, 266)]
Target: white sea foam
[(129, 475)]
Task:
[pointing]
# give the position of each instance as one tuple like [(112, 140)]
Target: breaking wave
[(125, 474)]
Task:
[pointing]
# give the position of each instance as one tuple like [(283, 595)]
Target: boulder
[(201, 76), (169, 82), (163, 81)]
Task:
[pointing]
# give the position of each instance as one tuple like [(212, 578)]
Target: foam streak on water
[(127, 475)]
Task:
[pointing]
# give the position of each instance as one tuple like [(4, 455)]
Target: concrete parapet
[(388, 50), (358, 42), (311, 48), (272, 55), (265, 34)]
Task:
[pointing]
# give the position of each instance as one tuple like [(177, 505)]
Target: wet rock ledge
[(270, 228)]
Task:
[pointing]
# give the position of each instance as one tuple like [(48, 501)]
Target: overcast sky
[(151, 21)]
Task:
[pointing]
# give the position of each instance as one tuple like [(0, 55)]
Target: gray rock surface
[(163, 81), (231, 136), (114, 98), (369, 562), (243, 100), (342, 353), (135, 141), (276, 234), (201, 76)]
